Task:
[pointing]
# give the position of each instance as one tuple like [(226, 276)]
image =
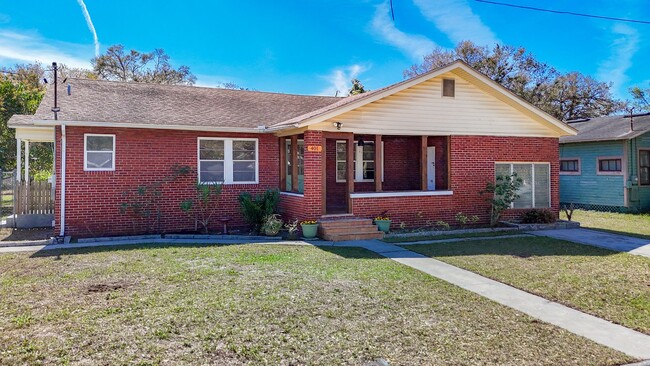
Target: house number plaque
[(314, 148)]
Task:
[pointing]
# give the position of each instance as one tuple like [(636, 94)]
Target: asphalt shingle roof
[(608, 128), (172, 105)]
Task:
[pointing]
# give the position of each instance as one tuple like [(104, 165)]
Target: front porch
[(345, 174)]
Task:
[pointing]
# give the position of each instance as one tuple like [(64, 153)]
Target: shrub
[(202, 206), (503, 192), (543, 216), (256, 208), (272, 225)]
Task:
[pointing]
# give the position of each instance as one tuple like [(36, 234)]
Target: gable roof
[(137, 104), (609, 128), (459, 67)]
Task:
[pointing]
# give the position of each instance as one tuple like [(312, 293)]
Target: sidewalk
[(601, 331), (615, 242)]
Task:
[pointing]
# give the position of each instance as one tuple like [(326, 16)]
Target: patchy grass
[(620, 223), (449, 236), (611, 285), (253, 304)]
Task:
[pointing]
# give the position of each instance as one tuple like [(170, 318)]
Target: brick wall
[(472, 166), (142, 157)]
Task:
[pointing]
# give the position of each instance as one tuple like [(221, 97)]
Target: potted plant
[(383, 223), (272, 225), (292, 229), (309, 228)]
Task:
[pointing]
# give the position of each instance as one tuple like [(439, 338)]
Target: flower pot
[(309, 230), (383, 225)]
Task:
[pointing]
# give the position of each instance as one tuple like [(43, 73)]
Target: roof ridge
[(160, 85)]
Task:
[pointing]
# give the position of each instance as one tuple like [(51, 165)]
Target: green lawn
[(614, 286), (449, 236), (254, 304), (629, 224)]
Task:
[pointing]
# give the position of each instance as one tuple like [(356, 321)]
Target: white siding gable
[(421, 109)]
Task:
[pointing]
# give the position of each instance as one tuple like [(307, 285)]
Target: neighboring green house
[(606, 166)]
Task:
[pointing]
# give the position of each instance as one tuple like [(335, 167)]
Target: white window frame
[(228, 161), (578, 172), (86, 168), (606, 172), (532, 177), (358, 162)]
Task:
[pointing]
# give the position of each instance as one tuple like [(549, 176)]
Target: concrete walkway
[(615, 242), (622, 339)]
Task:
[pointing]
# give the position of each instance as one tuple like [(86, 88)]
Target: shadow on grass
[(517, 247), (345, 252)]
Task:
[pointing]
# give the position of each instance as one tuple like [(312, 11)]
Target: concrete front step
[(345, 223), (350, 236), (348, 229)]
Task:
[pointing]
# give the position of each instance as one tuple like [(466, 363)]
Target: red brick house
[(419, 150)]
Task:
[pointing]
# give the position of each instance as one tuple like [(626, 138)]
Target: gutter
[(48, 122), (63, 149)]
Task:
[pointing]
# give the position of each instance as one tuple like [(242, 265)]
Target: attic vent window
[(448, 88)]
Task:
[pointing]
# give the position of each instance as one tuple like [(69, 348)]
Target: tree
[(152, 67), (564, 96), (640, 99), (357, 87), (20, 93)]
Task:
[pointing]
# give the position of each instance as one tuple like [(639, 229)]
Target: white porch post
[(19, 150), (26, 161)]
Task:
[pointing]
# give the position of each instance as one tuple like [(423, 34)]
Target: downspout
[(63, 148)]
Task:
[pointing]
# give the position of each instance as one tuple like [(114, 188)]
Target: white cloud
[(456, 19), (339, 80), (25, 47), (622, 49), (413, 45), (89, 22)]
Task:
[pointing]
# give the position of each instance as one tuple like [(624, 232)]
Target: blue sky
[(317, 46)]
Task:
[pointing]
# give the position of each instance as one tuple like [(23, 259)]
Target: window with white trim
[(535, 190), (570, 166), (228, 161), (99, 152), (610, 165), (364, 161)]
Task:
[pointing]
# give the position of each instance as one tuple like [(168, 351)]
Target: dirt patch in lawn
[(10, 234)]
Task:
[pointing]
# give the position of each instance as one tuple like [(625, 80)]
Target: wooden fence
[(33, 198)]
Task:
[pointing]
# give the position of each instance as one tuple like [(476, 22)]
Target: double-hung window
[(227, 160), (364, 162), (99, 152), (535, 190)]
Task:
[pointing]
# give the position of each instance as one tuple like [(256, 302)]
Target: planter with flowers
[(309, 228), (383, 223)]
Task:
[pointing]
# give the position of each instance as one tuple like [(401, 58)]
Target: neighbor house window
[(535, 190), (644, 167), (99, 152), (448, 88), (570, 166), (227, 161), (610, 165), (364, 162)]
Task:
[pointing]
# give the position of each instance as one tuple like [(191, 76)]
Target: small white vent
[(448, 88)]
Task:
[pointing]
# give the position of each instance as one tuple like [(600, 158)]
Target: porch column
[(349, 169), (19, 151), (294, 163), (379, 153), (26, 161), (423, 162)]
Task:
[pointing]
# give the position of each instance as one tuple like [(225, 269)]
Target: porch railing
[(33, 198)]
